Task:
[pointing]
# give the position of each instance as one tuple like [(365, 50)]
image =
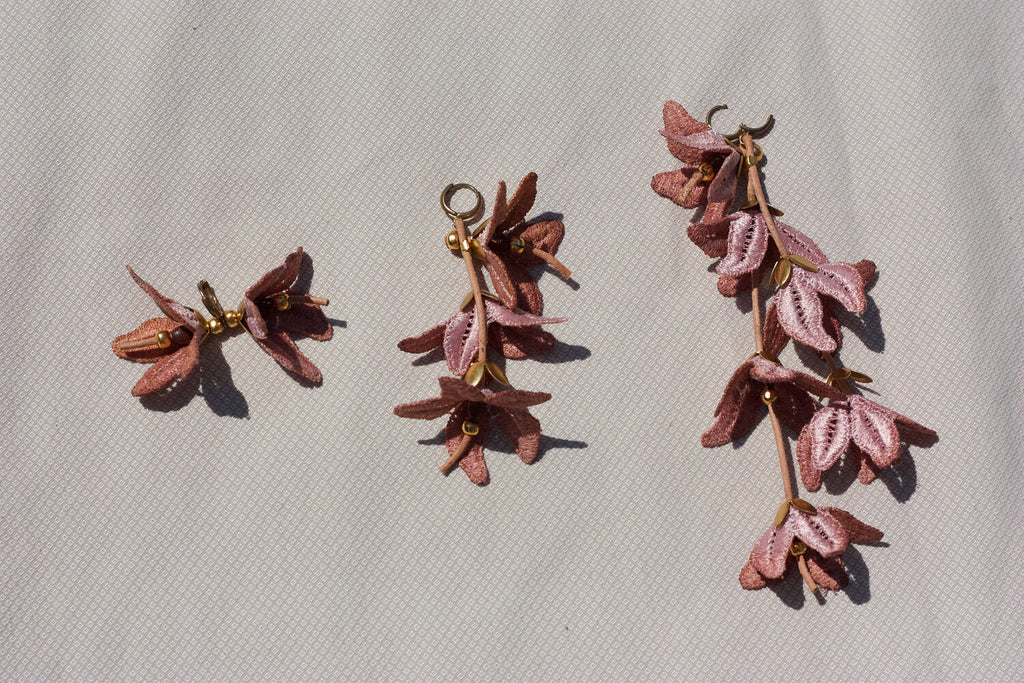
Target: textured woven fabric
[(265, 529)]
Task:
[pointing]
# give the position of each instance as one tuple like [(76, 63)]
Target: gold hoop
[(450, 191)]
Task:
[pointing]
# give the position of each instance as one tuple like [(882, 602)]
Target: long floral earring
[(506, 322), (808, 289)]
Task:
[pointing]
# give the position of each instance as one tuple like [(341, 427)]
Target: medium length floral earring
[(506, 322), (272, 311), (808, 288)]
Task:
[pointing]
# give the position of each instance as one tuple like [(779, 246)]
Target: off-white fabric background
[(267, 529)]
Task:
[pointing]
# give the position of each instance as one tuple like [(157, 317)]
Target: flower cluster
[(809, 290), (506, 321), (272, 311)]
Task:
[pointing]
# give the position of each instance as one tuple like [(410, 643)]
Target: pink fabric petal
[(522, 429), (750, 579), (773, 336), (703, 141), (858, 531), (545, 235), (772, 551), (748, 242), (427, 409), (179, 364), (472, 463), (521, 342), (282, 349), (672, 183), (710, 236), (794, 407), (827, 572), (461, 341), (809, 475), (499, 211), (146, 331), (527, 291), (503, 286), (171, 308), (800, 244), (868, 471), (277, 280), (829, 434), (522, 200), (736, 419), (839, 281), (800, 313), (502, 315), (517, 398), (428, 341), (457, 390), (678, 121), (304, 319), (722, 191), (874, 431), (822, 531)]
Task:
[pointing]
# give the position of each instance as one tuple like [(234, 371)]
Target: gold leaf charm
[(496, 372), (781, 272), (804, 506), (475, 374), (780, 514), (803, 263), (859, 377)]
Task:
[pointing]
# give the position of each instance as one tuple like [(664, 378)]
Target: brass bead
[(798, 548), (707, 172), (163, 340), (281, 301), (769, 396), (180, 336), (232, 318), (517, 245), (213, 326), (470, 428), (451, 240)]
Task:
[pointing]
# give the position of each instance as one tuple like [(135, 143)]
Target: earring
[(506, 321), (808, 289), (271, 311)]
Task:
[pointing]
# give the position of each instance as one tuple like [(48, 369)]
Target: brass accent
[(469, 298), (798, 548), (769, 396), (475, 373), (765, 356), (744, 129), (707, 172), (282, 302), (210, 299), (781, 272), (517, 245), (232, 318), (451, 240), (496, 372), (464, 246), (480, 228), (803, 263), (859, 377), (804, 506), (163, 340), (477, 251), (780, 514), (470, 428), (214, 326), (448, 192)]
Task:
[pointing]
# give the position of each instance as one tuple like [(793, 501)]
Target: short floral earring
[(808, 289), (272, 310), (506, 321)]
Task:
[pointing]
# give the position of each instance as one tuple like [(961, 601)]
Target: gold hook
[(449, 192), (744, 129)]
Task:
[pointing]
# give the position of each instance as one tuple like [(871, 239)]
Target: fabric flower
[(175, 352), (479, 408), (274, 310), (820, 537), (511, 245), (869, 432), (516, 334), (708, 176), (740, 409)]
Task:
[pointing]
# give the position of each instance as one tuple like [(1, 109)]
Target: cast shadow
[(211, 380)]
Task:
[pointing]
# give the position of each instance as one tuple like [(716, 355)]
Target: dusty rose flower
[(516, 334), (708, 176), (741, 407), (865, 430), (820, 537), (173, 342), (479, 408), (274, 310)]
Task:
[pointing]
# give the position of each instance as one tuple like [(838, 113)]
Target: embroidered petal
[(748, 242), (147, 331), (501, 315), (179, 364), (171, 308), (428, 341), (545, 235), (427, 409), (503, 286), (773, 336), (722, 191), (458, 390), (874, 431), (827, 572), (277, 280), (829, 432), (750, 579), (522, 200), (528, 293), (472, 463), (517, 398), (800, 313), (521, 342), (772, 551), (498, 213), (522, 429), (839, 281), (822, 531), (671, 185), (858, 531), (461, 340), (282, 349), (711, 236), (810, 476), (800, 244)]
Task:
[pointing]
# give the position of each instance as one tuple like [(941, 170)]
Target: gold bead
[(470, 428), (281, 301), (163, 340), (768, 396), (213, 326), (707, 172), (232, 318), (517, 245), (798, 548), (451, 240)]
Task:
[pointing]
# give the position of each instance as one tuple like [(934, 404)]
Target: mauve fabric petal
[(179, 364), (545, 235), (254, 320), (171, 308), (678, 121), (874, 432), (498, 213), (772, 551), (502, 315), (858, 531), (522, 200), (517, 398), (736, 386), (800, 313), (827, 572), (428, 341), (747, 244), (749, 578), (794, 407), (503, 286), (736, 416), (427, 409), (810, 476), (522, 429), (829, 432), (279, 279), (458, 390), (773, 336), (461, 340), (822, 531), (305, 319), (839, 281), (527, 291), (731, 286), (472, 463), (516, 343), (147, 330), (710, 236), (702, 143), (866, 270), (868, 471), (910, 431), (722, 190), (670, 185), (800, 244), (282, 349)]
